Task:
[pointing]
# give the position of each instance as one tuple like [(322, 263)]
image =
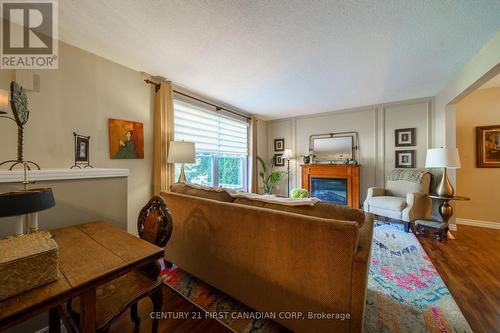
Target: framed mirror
[(333, 147)]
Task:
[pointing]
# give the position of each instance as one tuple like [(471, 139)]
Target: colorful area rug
[(405, 292)]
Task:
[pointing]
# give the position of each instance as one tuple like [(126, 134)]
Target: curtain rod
[(217, 108)]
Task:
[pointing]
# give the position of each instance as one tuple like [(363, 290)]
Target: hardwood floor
[(174, 304), (469, 265)]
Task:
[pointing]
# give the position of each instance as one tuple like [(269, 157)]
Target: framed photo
[(82, 151), (405, 158), (126, 139), (81, 148), (488, 146), (279, 144), (405, 137), (278, 160)]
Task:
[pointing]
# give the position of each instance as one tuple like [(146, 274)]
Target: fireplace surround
[(332, 182)]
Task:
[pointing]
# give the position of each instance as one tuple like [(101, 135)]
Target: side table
[(446, 210)]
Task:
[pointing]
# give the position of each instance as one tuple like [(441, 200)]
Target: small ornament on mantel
[(82, 151)]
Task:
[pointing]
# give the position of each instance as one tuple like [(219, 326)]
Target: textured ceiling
[(284, 57)]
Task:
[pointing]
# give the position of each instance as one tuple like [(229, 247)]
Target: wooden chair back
[(155, 222)]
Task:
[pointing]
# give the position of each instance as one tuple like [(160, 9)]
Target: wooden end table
[(446, 210)]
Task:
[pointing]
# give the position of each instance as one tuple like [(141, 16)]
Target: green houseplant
[(269, 178)]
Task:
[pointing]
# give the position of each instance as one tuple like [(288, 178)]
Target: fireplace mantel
[(336, 171)]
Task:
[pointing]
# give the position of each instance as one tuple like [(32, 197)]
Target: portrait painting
[(488, 146), (126, 139)]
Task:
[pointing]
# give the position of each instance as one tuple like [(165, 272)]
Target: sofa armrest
[(418, 206), (361, 266)]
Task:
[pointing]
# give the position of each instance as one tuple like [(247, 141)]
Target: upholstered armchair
[(405, 197)]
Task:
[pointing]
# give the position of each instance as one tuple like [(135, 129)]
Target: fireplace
[(330, 189), (334, 183)]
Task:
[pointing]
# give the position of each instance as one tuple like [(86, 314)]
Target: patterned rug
[(405, 292)]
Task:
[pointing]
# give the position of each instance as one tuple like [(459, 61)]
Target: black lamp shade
[(26, 202)]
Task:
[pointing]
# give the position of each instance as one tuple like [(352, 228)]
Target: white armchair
[(405, 197)]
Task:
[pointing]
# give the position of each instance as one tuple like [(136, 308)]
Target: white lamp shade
[(443, 158), (181, 152), (287, 154), (4, 100)]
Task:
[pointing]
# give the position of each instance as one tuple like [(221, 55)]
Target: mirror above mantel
[(333, 148)]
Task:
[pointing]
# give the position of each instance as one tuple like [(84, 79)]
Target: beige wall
[(481, 108), (375, 125), (80, 96)]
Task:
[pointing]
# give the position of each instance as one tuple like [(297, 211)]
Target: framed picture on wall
[(405, 158), (126, 139), (405, 137), (279, 144), (278, 160), (488, 146)]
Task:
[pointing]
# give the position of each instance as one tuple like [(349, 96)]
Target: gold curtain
[(254, 175), (163, 172)]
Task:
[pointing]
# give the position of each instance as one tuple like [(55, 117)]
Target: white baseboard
[(478, 223)]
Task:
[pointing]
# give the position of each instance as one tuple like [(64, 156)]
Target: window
[(221, 145)]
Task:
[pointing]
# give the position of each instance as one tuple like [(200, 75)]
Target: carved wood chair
[(114, 298)]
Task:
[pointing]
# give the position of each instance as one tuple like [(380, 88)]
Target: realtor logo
[(29, 35)]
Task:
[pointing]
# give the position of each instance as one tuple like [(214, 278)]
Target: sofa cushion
[(320, 209), (206, 192), (387, 202)]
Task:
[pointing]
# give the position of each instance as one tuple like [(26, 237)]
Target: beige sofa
[(274, 258)]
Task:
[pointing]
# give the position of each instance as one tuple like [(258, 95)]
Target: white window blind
[(211, 131)]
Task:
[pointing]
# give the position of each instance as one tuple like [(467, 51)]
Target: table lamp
[(445, 158), (181, 152), (27, 201), (288, 155)]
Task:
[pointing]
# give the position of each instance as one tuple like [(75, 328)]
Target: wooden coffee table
[(90, 255)]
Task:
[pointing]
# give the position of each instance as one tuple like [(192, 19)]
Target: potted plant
[(269, 178)]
